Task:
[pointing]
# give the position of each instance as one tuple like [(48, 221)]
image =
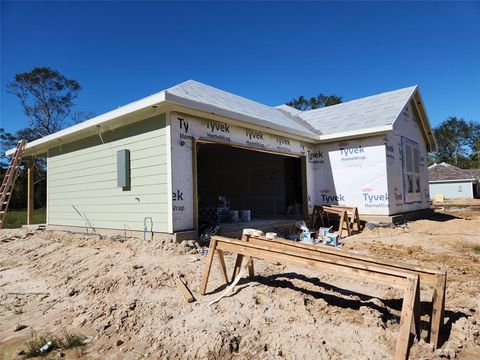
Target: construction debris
[(187, 294)]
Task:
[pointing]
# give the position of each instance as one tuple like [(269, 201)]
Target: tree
[(457, 141), (322, 100), (47, 98)]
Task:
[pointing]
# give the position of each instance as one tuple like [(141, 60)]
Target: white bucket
[(245, 215), (252, 232), (248, 231), (271, 235), (257, 233)]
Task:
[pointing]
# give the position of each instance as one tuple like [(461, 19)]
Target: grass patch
[(476, 250), (16, 218), (63, 342)]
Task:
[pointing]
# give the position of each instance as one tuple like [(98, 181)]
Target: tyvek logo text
[(216, 130), (373, 199), (283, 144), (254, 138), (183, 125), (326, 198), (390, 151), (178, 196), (352, 153), (218, 127), (316, 157)]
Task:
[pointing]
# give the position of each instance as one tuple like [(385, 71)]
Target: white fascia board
[(357, 133), (451, 181), (237, 116), (96, 121), (426, 123)]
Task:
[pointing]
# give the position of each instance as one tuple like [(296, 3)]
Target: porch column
[(30, 183)]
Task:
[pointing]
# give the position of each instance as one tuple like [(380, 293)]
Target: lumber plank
[(417, 313), (223, 268), (208, 266), (318, 214), (237, 266), (308, 255), (438, 307), (187, 294), (352, 212), (340, 257), (401, 350), (428, 275), (251, 269), (342, 214), (315, 263), (357, 217)]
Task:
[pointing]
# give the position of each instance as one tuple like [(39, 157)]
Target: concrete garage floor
[(266, 225)]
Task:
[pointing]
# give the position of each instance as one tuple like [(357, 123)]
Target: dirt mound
[(121, 294)]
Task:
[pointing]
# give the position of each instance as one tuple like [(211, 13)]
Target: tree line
[(48, 101)]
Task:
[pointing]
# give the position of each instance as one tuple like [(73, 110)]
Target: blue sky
[(269, 52)]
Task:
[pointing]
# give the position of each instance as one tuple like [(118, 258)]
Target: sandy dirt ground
[(122, 296)]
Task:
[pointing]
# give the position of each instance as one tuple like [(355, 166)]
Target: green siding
[(84, 174)]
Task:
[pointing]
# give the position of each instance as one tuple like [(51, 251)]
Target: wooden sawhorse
[(305, 255)]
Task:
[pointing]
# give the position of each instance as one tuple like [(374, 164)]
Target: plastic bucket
[(234, 216), (245, 215)]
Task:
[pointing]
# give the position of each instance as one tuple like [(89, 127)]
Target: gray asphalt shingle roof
[(207, 95), (356, 117), (369, 112), (444, 171)]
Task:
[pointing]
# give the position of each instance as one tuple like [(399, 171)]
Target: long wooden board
[(406, 280)]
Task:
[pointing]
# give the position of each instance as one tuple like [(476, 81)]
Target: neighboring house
[(452, 182), (169, 156)]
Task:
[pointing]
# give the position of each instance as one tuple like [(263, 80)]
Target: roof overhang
[(148, 107), (164, 101), (213, 110), (122, 116), (378, 130), (451, 181)]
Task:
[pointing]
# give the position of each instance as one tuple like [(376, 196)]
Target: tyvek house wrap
[(184, 128), (406, 132), (368, 172), (350, 173)]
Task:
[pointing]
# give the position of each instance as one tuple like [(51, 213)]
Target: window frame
[(412, 184)]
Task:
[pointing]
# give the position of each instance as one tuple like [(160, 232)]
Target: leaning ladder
[(9, 180)]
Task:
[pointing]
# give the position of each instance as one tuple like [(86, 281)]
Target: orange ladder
[(9, 180)]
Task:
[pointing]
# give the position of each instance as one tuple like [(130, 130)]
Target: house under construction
[(163, 159)]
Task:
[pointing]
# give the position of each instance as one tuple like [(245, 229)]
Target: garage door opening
[(269, 185)]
